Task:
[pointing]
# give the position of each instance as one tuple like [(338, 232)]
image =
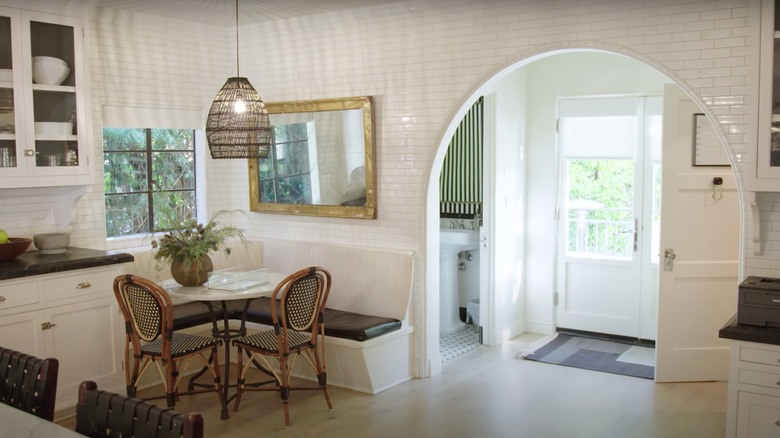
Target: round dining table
[(211, 295)]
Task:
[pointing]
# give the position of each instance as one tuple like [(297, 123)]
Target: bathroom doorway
[(460, 208)]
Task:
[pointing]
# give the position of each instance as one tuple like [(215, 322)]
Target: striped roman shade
[(460, 183)]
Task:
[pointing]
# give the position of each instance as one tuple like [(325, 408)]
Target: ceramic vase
[(191, 273)]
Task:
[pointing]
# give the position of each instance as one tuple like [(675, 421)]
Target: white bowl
[(49, 59), (53, 128), (49, 72), (51, 243)]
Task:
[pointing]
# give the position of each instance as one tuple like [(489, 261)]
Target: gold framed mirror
[(321, 161)]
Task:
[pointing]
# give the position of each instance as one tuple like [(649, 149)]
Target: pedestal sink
[(452, 241), (459, 240)]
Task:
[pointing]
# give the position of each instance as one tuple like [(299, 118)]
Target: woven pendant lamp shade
[(236, 132)]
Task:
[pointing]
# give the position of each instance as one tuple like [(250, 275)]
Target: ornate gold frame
[(367, 211)]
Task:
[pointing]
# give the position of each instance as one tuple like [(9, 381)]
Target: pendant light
[(237, 125)]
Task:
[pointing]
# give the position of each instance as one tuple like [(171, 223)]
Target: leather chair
[(106, 414), (28, 383), (298, 331)]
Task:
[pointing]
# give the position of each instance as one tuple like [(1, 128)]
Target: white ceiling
[(223, 12)]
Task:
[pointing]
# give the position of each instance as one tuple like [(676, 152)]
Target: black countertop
[(34, 263), (740, 332)]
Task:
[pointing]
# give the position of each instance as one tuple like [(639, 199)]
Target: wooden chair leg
[(322, 379), (284, 388), (170, 395)]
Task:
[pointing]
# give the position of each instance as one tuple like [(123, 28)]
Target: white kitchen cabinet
[(32, 155), (71, 315), (767, 170), (754, 390)]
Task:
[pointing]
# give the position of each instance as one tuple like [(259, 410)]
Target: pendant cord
[(237, 69)]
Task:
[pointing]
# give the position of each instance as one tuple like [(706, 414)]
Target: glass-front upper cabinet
[(768, 165), (8, 139), (42, 111)]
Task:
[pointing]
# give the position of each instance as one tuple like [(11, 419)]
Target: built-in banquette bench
[(366, 325)]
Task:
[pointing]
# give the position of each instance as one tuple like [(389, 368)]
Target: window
[(285, 176), (148, 179)]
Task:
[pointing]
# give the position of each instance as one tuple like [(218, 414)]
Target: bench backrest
[(144, 264), (367, 281)]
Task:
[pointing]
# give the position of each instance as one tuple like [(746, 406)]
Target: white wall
[(568, 74), (422, 62)]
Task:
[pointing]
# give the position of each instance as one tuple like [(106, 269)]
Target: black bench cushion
[(338, 323)]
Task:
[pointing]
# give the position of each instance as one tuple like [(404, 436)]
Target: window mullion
[(150, 179)]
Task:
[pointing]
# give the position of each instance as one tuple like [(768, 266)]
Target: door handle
[(669, 257), (636, 233)]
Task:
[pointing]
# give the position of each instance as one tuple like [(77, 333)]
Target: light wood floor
[(486, 393)]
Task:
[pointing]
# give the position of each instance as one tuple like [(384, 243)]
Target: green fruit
[(3, 237)]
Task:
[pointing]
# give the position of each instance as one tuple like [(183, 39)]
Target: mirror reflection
[(321, 160)]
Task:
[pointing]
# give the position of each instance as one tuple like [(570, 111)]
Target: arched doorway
[(504, 314)]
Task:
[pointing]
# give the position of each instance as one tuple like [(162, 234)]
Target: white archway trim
[(430, 362)]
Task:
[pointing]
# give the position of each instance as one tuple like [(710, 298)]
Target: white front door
[(698, 279), (610, 162)]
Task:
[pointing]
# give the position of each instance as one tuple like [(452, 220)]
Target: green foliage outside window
[(285, 176), (607, 230), (139, 201)]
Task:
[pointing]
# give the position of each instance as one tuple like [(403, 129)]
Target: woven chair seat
[(266, 340), (182, 344)]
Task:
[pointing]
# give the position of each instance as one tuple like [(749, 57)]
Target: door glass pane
[(600, 207)]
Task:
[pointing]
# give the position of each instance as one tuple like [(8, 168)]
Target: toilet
[(472, 311)]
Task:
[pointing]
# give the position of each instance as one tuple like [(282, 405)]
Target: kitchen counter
[(34, 263), (749, 333)]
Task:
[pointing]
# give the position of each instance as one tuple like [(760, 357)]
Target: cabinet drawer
[(769, 380), (79, 283), (19, 294), (758, 415), (760, 355)]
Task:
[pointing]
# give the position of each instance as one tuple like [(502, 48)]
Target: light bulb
[(239, 106)]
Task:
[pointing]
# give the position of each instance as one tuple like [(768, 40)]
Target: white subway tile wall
[(420, 61)]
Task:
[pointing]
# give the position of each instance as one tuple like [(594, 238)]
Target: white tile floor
[(452, 345), (639, 355)]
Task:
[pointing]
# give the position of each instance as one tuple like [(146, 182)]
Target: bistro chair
[(106, 414), (297, 318), (148, 314), (28, 383)]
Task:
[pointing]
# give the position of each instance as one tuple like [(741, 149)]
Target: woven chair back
[(301, 302), (28, 383), (106, 414), (144, 305)]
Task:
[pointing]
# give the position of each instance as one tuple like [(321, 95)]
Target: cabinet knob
[(47, 325), (777, 423), (2, 298), (83, 285)]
